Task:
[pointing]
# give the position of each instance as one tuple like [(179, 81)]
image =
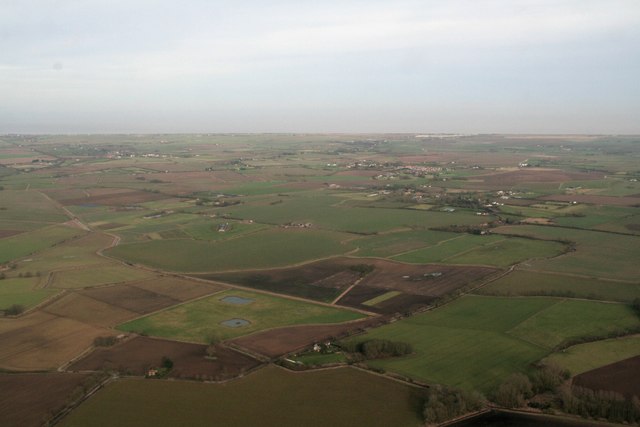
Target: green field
[(500, 335), (29, 206), (98, 275), (597, 254), (199, 320), (269, 397), (23, 292), (483, 250), (528, 283), (585, 357), (390, 244), (28, 243), (272, 248)]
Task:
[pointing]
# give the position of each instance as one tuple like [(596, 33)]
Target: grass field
[(27, 243), (597, 254), (29, 206), (390, 244), (585, 357), (527, 283), (199, 320), (22, 291), (482, 250), (265, 249), (269, 397), (500, 335), (98, 275)]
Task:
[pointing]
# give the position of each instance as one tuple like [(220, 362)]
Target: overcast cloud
[(309, 66)]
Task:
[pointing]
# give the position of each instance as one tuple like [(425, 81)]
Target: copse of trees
[(600, 404), (514, 391), (444, 403), (377, 349), (14, 310)]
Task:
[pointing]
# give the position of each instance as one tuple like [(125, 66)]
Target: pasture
[(97, 275), (585, 357), (200, 320), (34, 241)]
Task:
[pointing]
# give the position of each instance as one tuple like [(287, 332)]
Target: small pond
[(235, 323), (237, 300)]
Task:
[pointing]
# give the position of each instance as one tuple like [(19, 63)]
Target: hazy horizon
[(497, 67)]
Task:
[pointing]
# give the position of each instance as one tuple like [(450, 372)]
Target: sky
[(454, 66)]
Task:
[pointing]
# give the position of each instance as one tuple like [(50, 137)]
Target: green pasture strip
[(380, 298)]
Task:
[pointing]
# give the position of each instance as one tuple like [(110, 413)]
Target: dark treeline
[(600, 404), (376, 349), (444, 403)]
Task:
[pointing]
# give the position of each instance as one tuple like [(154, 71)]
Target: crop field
[(585, 357), (131, 298), (257, 250), (22, 291), (597, 254), (42, 341), (531, 283), (29, 206), (30, 399), (88, 310), (483, 250), (97, 275), (137, 355), (501, 335), (355, 398), (28, 243), (197, 321)]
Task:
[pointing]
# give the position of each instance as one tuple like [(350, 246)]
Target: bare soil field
[(429, 280), (30, 399), (178, 288), (620, 377), (594, 200), (42, 341), (402, 303), (315, 279), (137, 355), (131, 298), (89, 310), (279, 341)]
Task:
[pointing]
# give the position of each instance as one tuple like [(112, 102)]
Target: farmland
[(502, 335), (354, 397), (215, 257), (199, 320)]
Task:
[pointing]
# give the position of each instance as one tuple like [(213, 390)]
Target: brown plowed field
[(418, 279), (29, 399), (276, 342), (177, 288), (137, 355), (621, 377), (595, 200), (403, 303), (131, 298), (115, 198), (89, 310), (306, 280), (41, 341)]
